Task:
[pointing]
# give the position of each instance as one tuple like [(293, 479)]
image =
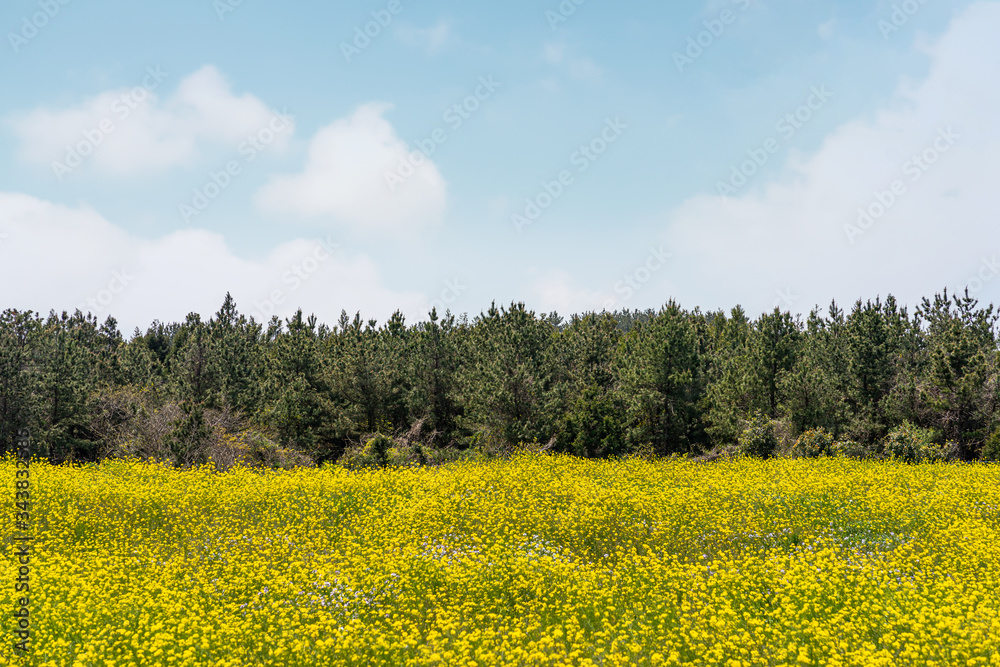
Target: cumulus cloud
[(361, 174), (64, 258), (134, 130), (831, 226)]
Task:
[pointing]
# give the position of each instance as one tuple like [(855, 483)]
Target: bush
[(255, 449), (593, 426), (813, 443), (850, 449), (758, 437), (190, 437), (142, 423), (991, 448), (373, 454), (908, 442), (381, 451)]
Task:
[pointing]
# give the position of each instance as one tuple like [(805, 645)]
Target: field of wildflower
[(538, 560)]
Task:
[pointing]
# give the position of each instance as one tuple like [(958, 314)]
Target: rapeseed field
[(538, 560)]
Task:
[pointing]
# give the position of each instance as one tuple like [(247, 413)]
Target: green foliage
[(772, 349), (257, 450), (188, 441), (813, 443), (378, 449), (384, 452), (908, 442), (591, 422), (661, 366), (593, 426), (991, 450), (233, 342), (19, 333), (758, 437), (434, 362), (378, 452), (367, 375), (728, 393), (511, 378), (812, 389), (958, 390), (850, 449), (661, 382), (299, 404)]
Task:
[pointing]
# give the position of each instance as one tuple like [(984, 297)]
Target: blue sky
[(155, 156)]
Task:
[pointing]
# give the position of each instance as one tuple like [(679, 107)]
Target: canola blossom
[(537, 560)]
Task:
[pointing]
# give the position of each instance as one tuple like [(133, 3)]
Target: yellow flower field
[(535, 561)]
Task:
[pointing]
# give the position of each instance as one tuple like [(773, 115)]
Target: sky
[(576, 156)]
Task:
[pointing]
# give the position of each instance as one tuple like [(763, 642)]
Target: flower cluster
[(538, 560)]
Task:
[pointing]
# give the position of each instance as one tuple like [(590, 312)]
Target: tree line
[(655, 382)]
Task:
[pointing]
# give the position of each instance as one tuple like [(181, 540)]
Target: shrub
[(593, 427), (381, 451), (991, 448), (850, 449), (373, 454), (190, 438), (813, 443), (255, 449), (909, 442), (758, 437)]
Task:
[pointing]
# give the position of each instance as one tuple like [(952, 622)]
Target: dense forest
[(875, 381)]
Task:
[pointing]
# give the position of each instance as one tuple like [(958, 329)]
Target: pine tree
[(195, 375), (772, 350), (959, 385), (189, 440), (68, 375), (18, 339), (234, 342), (137, 363), (811, 396), (511, 375), (729, 397), (366, 373), (662, 366), (590, 410), (434, 366), (297, 403), (872, 345)]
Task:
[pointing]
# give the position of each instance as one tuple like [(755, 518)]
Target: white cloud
[(129, 131), (631, 286), (555, 53), (62, 258), (826, 30), (556, 290), (358, 173), (432, 39), (790, 236), (580, 68)]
